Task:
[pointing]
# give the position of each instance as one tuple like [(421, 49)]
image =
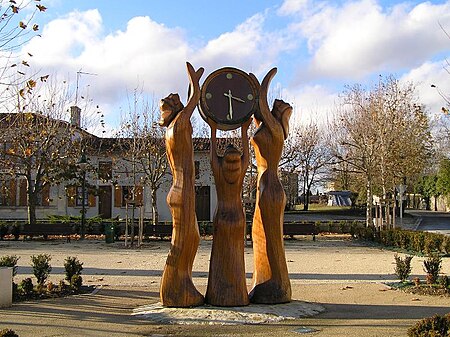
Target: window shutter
[(23, 193), (12, 192), (91, 199), (117, 196)]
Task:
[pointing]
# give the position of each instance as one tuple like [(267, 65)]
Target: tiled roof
[(105, 144)]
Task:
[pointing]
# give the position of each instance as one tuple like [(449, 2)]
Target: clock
[(229, 97)]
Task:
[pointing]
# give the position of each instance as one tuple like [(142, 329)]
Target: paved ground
[(438, 222), (344, 277)]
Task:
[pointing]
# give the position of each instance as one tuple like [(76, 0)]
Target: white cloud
[(358, 38), (63, 40), (312, 103), (146, 54), (423, 77), (290, 7), (248, 47), (346, 41)]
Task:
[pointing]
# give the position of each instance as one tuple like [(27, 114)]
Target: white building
[(108, 185)]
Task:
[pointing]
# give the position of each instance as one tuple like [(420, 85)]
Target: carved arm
[(194, 88)]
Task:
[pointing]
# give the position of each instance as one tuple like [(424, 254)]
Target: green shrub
[(50, 287), (446, 245), (444, 282), (365, 233), (433, 243), (3, 230), (76, 282), (205, 228), (418, 242), (72, 267), (8, 333), (27, 286), (354, 228), (41, 267), (387, 238), (343, 227), (62, 286), (403, 239), (15, 230), (432, 266), (62, 218), (403, 267), (436, 326), (10, 261)]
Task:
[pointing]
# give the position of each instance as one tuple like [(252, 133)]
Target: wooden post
[(270, 278), (226, 280), (141, 225), (126, 225), (177, 288), (376, 216)]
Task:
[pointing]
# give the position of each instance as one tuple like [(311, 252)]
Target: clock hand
[(238, 99), (230, 105), (233, 97)]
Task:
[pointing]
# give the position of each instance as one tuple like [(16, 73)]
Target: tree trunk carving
[(226, 281), (270, 282), (177, 288)]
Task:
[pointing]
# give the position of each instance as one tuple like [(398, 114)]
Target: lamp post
[(82, 164)]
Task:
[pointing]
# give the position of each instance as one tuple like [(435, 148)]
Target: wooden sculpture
[(270, 282), (177, 288), (226, 280)]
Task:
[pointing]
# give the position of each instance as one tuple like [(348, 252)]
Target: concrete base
[(5, 287)]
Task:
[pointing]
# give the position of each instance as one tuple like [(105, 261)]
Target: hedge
[(420, 242)]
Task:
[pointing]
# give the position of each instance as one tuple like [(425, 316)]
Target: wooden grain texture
[(177, 288), (270, 282), (226, 279)]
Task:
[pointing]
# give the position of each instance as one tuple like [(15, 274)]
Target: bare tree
[(306, 153), (142, 146), (38, 146), (382, 135), (356, 143)]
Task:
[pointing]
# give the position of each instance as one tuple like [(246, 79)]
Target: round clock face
[(228, 97)]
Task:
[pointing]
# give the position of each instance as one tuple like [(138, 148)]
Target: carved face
[(282, 112), (231, 164), (169, 107)]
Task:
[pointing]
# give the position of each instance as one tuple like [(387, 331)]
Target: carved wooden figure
[(270, 282), (177, 288), (226, 280)]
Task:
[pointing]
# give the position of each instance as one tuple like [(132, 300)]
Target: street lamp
[(83, 164)]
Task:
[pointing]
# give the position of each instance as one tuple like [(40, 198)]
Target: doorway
[(105, 202), (203, 203)]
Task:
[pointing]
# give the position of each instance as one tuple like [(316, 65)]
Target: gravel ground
[(337, 282)]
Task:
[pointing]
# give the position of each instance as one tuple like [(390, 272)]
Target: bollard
[(6, 287)]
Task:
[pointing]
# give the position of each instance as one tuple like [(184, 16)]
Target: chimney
[(75, 116)]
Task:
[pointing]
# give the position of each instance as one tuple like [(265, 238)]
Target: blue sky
[(318, 46)]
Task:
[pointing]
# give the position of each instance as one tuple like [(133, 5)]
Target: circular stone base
[(206, 314)]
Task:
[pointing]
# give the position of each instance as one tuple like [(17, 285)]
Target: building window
[(79, 197), (105, 170), (9, 193), (75, 196), (127, 194), (124, 194)]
